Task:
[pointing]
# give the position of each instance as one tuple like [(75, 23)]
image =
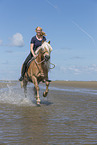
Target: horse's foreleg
[(37, 89), (46, 91)]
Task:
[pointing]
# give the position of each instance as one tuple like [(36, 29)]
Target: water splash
[(15, 95)]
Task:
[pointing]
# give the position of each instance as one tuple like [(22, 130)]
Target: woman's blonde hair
[(43, 33)]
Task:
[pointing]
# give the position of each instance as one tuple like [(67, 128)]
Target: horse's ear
[(42, 41), (49, 42)]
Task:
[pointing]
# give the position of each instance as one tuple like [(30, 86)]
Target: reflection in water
[(63, 118)]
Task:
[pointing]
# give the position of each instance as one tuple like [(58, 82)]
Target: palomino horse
[(38, 70)]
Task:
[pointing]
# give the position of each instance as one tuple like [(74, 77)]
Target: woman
[(36, 41)]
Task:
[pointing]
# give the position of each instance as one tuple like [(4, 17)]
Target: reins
[(40, 61), (53, 66), (33, 58), (43, 61)]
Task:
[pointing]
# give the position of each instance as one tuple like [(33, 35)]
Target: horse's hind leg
[(25, 88), (46, 91)]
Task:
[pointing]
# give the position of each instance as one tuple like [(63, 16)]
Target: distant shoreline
[(75, 84)]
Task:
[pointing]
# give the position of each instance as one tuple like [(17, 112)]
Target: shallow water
[(68, 116)]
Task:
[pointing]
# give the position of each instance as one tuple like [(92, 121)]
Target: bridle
[(44, 61)]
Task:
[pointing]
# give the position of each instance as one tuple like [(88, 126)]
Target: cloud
[(79, 69), (1, 42), (17, 40), (9, 51), (75, 70), (92, 68), (77, 57)]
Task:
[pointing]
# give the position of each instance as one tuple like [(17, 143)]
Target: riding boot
[(23, 72)]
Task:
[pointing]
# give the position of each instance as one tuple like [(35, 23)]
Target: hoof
[(38, 101), (38, 105), (45, 94)]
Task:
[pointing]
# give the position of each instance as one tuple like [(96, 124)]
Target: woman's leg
[(24, 68)]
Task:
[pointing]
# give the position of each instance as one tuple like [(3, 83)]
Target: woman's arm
[(31, 49)]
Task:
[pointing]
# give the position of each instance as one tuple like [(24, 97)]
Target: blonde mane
[(43, 46), (47, 45)]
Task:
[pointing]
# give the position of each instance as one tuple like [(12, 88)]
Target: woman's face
[(39, 31)]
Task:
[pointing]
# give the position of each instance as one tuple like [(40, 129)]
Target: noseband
[(45, 52)]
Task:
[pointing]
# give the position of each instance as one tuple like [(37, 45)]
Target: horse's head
[(45, 50)]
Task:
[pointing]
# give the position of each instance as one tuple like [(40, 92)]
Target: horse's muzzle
[(47, 57)]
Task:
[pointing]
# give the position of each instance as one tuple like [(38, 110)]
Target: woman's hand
[(35, 55)]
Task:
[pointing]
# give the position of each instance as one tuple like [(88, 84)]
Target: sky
[(70, 25)]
